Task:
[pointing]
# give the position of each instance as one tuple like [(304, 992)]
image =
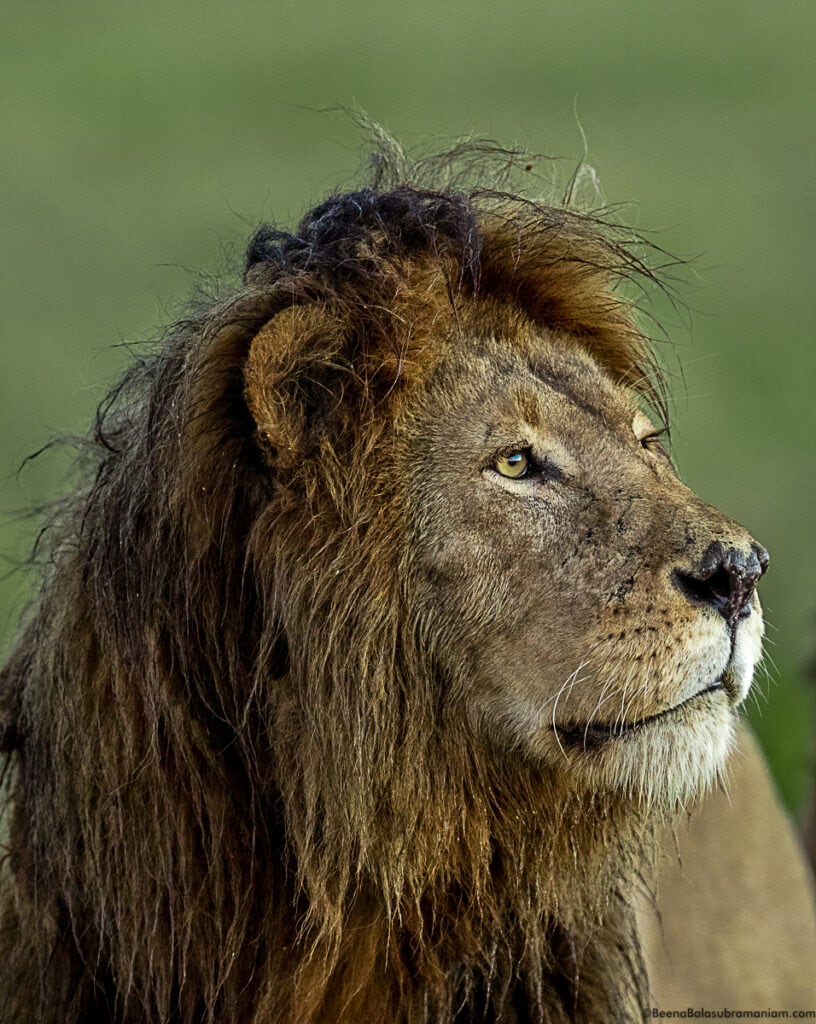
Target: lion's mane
[(235, 794)]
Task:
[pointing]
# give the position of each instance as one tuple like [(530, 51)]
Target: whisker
[(569, 681)]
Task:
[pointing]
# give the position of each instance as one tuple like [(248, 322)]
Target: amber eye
[(513, 465)]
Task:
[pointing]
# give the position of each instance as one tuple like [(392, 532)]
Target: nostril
[(723, 579), (714, 591), (719, 584)]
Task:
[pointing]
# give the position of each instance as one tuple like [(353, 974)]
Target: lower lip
[(593, 736)]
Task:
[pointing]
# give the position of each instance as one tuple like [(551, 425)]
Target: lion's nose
[(724, 579)]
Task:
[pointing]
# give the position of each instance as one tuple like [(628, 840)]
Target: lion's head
[(589, 610), (384, 623)]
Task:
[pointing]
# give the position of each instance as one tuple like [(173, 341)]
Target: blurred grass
[(142, 140)]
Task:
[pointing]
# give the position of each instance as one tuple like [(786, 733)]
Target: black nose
[(724, 579)]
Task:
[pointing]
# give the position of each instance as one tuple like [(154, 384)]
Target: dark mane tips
[(345, 238)]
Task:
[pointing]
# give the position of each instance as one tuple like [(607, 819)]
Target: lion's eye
[(513, 465), (648, 435), (652, 441)]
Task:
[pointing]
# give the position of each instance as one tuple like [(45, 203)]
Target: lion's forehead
[(548, 385)]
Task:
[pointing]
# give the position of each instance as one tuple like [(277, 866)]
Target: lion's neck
[(540, 929)]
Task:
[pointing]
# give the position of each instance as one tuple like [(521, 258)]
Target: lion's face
[(588, 608)]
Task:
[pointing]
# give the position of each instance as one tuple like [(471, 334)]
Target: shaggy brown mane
[(236, 790)]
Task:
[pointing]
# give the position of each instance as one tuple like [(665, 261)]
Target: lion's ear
[(294, 379)]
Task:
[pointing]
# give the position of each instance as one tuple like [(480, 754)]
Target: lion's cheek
[(521, 683)]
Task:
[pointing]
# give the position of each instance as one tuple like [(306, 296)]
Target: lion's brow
[(562, 387)]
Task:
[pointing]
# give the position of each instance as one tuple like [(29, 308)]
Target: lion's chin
[(666, 761)]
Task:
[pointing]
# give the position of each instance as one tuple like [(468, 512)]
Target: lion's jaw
[(559, 592)]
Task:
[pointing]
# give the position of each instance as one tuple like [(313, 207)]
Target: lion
[(379, 645)]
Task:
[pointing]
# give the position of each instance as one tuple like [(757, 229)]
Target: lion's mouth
[(591, 735)]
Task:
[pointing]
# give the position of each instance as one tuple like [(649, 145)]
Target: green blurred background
[(142, 142)]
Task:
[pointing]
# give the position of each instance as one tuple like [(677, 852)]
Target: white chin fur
[(668, 764)]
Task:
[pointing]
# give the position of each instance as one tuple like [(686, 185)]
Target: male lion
[(378, 644)]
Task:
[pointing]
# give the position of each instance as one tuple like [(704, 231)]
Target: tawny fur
[(238, 791)]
